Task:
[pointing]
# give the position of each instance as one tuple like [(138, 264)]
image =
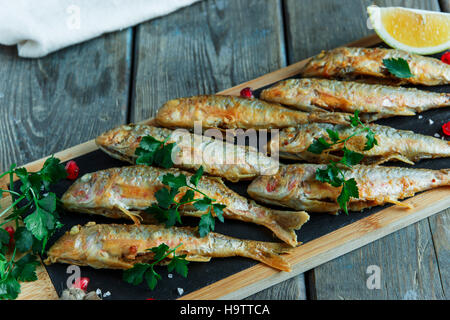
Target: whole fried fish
[(228, 160), (116, 246), (368, 63), (373, 101), (393, 144), (295, 186), (229, 112), (127, 191)]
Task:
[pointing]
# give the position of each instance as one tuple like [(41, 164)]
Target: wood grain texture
[(58, 101), (440, 231), (291, 289), (445, 5), (327, 24), (307, 34), (61, 100), (407, 262), (205, 48)]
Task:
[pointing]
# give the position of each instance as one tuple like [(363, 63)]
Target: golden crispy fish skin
[(229, 112), (115, 246), (296, 187), (373, 101), (127, 191), (368, 62), (393, 144), (218, 158)]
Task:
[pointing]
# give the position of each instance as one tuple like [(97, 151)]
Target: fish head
[(120, 142), (86, 191)]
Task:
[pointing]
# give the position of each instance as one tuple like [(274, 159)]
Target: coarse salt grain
[(420, 116), (437, 135), (180, 291), (106, 294), (98, 292), (430, 121), (170, 276)]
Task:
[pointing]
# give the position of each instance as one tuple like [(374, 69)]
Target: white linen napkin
[(44, 26)]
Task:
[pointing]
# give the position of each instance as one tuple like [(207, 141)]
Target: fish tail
[(284, 223), (268, 253), (290, 219)]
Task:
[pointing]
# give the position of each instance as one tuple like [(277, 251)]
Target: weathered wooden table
[(73, 95)]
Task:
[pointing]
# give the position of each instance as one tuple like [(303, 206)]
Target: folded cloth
[(41, 27)]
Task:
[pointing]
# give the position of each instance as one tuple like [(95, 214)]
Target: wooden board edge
[(43, 287), (327, 247)]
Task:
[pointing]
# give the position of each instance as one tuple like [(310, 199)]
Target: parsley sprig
[(34, 212), (152, 151), (140, 271), (398, 67), (12, 272), (167, 208), (333, 174)]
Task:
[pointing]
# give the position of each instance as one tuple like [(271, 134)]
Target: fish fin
[(398, 157), (285, 222), (197, 258), (330, 117), (268, 253), (133, 216), (399, 203), (290, 219)]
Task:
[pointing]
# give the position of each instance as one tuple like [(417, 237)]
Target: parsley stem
[(12, 205), (11, 261), (167, 254), (196, 190), (7, 221), (11, 192), (35, 199), (11, 184), (5, 173)]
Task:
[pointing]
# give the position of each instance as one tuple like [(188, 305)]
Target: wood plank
[(445, 5), (59, 101), (291, 289), (327, 24), (407, 264), (205, 48), (63, 99), (441, 240), (347, 21)]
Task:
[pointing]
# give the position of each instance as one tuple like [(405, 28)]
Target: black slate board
[(203, 274)]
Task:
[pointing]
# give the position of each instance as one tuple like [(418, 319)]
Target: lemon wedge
[(412, 30)]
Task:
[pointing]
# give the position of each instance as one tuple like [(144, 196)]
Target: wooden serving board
[(317, 251)]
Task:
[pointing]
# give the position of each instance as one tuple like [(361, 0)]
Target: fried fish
[(218, 158), (114, 246), (393, 144), (228, 112), (368, 63), (372, 100), (295, 186), (127, 191)]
